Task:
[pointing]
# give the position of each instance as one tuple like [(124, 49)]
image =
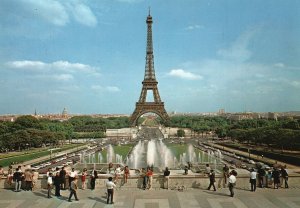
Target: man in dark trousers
[(253, 179), (73, 189), (62, 175), (167, 177), (285, 176), (94, 175), (261, 175), (110, 190), (57, 184), (212, 180), (17, 178)]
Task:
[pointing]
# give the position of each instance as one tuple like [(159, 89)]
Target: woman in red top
[(150, 177), (83, 177)]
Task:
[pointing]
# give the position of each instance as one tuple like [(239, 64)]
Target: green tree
[(180, 133)]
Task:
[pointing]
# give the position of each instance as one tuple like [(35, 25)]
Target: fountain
[(155, 153)]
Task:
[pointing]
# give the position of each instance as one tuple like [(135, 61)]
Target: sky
[(88, 56)]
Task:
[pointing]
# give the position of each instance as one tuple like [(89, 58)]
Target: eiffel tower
[(149, 83)]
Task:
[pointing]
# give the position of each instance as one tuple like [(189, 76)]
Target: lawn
[(32, 155)]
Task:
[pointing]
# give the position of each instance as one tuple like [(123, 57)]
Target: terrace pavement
[(157, 198)]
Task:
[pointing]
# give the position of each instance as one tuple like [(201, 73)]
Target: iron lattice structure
[(149, 84)]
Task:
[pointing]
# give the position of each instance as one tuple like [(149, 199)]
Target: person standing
[(57, 184), (62, 175), (17, 177), (268, 178), (261, 176), (22, 176), (28, 180), (35, 177), (83, 178), (285, 177), (73, 190), (212, 180), (145, 178), (110, 190), (253, 179), (10, 173), (72, 176), (94, 175), (232, 182), (276, 177), (225, 175), (166, 177), (150, 177), (49, 184), (117, 173), (126, 174)]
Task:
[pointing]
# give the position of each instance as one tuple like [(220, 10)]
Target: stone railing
[(180, 181)]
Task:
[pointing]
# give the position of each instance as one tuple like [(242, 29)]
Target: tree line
[(281, 133), (28, 131)]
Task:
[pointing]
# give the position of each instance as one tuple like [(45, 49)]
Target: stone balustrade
[(135, 182)]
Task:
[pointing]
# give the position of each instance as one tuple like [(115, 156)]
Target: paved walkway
[(262, 198)]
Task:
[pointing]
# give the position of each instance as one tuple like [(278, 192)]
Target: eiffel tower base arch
[(147, 107)]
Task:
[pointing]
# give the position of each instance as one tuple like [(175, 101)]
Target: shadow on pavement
[(216, 193), (98, 199)]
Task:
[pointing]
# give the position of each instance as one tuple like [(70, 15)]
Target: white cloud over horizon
[(41, 67), (99, 88), (180, 73)]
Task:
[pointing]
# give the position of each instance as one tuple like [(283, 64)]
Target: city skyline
[(90, 56)]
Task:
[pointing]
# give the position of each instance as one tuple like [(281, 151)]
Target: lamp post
[(249, 153), (50, 154)]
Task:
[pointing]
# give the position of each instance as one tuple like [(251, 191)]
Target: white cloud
[(193, 27), (239, 51), (99, 88), (279, 65), (49, 10), (26, 64), (84, 15), (184, 74), (63, 77), (59, 13), (295, 84), (39, 66), (113, 89)]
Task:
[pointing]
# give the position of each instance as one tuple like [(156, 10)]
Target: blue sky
[(89, 56)]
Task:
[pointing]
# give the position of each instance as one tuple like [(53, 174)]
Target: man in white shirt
[(110, 190), (231, 182), (49, 184), (253, 174), (72, 176)]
